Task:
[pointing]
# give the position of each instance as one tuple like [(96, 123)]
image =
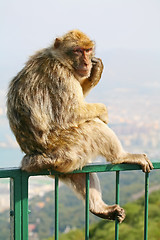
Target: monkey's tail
[(36, 162)]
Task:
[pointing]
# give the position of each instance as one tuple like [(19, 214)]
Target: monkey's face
[(77, 50), (81, 58)]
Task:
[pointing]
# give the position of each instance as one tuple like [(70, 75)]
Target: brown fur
[(55, 126)]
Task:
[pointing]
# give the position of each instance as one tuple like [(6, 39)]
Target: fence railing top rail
[(13, 172)]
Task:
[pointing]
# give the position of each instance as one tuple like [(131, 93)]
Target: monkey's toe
[(121, 215)]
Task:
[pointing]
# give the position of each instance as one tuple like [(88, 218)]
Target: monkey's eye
[(88, 50), (78, 50)]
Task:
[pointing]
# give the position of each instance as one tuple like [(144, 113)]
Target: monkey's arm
[(88, 111), (95, 76)]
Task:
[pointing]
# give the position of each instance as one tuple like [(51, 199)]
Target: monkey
[(54, 125)]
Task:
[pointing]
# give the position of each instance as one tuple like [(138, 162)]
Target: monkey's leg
[(111, 148), (92, 139), (96, 204)]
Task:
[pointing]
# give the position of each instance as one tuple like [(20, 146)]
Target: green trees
[(131, 228)]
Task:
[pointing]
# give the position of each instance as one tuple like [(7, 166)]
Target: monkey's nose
[(85, 63)]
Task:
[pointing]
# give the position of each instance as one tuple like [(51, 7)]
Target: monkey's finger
[(94, 60), (97, 61), (146, 168), (150, 164)]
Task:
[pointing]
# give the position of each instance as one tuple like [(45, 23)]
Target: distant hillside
[(131, 228)]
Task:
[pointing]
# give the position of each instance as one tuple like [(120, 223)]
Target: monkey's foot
[(111, 213), (140, 159), (145, 163), (36, 163)]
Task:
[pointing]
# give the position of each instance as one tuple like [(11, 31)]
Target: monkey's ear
[(57, 43)]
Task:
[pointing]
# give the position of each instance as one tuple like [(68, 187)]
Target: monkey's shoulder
[(45, 74), (47, 62)]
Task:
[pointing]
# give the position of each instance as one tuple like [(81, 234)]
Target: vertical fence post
[(87, 208), (146, 206), (56, 208), (24, 199), (15, 207), (117, 202)]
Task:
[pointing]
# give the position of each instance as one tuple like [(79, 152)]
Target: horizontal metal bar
[(11, 172)]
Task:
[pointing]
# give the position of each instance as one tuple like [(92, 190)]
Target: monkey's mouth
[(84, 72)]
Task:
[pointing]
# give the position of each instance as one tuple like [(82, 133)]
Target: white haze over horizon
[(127, 36)]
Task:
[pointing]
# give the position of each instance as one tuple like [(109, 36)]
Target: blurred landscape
[(130, 88), (127, 36)]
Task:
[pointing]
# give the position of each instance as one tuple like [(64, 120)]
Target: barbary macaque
[(56, 127)]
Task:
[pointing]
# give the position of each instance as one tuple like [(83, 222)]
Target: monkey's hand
[(96, 72), (103, 113)]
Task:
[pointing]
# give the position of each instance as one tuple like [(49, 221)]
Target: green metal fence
[(19, 197)]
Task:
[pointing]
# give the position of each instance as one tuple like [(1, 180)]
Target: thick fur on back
[(45, 106), (41, 104)]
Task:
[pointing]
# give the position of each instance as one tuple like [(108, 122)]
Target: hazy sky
[(27, 25)]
